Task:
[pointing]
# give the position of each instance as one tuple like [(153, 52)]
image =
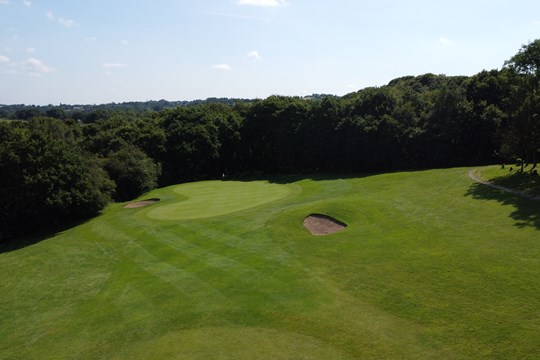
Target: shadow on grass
[(526, 213), (522, 181), (321, 176), (284, 179), (17, 243)]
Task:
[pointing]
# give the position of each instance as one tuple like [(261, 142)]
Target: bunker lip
[(141, 203), (320, 224)]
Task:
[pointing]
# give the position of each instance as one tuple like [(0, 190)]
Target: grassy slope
[(431, 265)]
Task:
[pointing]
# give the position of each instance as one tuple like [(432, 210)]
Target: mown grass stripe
[(228, 274)]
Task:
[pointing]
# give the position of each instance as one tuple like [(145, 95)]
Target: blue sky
[(86, 52)]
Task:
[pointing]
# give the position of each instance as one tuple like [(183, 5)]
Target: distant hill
[(27, 111)]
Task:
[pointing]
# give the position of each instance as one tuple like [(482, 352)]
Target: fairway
[(214, 198), (430, 265)]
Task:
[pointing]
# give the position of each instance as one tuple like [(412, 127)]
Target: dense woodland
[(59, 164)]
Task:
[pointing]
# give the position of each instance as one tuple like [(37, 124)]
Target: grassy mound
[(432, 265)]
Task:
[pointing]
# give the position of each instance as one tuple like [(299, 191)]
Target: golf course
[(428, 264)]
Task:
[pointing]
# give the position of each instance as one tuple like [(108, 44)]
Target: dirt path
[(473, 174)]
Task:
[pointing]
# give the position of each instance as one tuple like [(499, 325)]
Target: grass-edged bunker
[(320, 224), (142, 203)]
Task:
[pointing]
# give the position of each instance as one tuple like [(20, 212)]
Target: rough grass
[(431, 265)]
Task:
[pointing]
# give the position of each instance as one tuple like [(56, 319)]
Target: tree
[(132, 171), (96, 115), (451, 140), (193, 145), (121, 129), (521, 138), (527, 60), (45, 178), (318, 143), (56, 113), (368, 130), (27, 113), (522, 135)]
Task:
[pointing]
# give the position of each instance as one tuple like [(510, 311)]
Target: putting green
[(214, 198)]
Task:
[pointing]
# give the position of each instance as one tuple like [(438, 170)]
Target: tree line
[(91, 113), (56, 166)]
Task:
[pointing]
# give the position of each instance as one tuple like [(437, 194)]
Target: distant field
[(431, 265)]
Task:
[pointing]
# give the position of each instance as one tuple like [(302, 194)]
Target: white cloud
[(91, 39), (69, 23), (444, 41), (27, 3), (36, 67), (114, 66), (31, 50), (4, 2), (125, 42), (223, 67), (254, 55), (4, 59), (263, 3), (236, 16)]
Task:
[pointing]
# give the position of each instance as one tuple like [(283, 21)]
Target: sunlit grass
[(431, 265)]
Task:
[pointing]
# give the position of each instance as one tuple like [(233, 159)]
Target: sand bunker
[(141, 203), (319, 224)]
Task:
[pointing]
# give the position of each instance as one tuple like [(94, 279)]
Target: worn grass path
[(432, 265)]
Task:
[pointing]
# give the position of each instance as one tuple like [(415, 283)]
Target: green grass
[(431, 265)]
